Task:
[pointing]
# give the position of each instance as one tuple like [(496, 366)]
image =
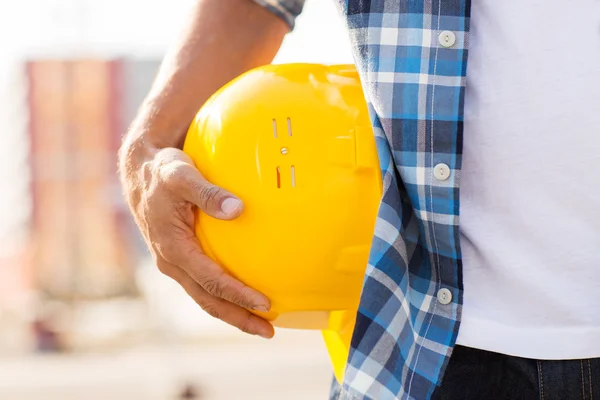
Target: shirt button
[(441, 172), (444, 296), (447, 39)]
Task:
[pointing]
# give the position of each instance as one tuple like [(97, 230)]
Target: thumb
[(215, 201), (211, 199)]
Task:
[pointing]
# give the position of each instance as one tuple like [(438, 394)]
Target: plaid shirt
[(411, 56)]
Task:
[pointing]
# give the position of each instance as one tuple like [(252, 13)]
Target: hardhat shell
[(294, 142)]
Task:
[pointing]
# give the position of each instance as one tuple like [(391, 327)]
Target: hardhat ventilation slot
[(278, 178), (289, 124), (293, 176), (275, 128)]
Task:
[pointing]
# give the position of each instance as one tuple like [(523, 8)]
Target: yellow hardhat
[(294, 142)]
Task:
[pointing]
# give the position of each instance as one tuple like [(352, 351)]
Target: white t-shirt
[(530, 180)]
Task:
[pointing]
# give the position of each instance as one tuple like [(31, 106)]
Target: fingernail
[(230, 204), (261, 308)]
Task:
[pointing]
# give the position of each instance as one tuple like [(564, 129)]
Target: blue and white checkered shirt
[(412, 57)]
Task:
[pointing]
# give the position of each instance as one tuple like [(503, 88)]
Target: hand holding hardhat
[(221, 40), (166, 217), (296, 144)]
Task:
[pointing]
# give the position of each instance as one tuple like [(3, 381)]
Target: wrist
[(136, 150), (160, 124)]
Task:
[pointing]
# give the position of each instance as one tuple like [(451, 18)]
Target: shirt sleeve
[(288, 10)]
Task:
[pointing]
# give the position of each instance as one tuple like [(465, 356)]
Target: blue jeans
[(482, 375), (476, 374)]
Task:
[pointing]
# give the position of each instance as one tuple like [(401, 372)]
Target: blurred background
[(84, 314)]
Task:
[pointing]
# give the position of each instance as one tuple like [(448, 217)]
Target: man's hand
[(223, 39), (164, 193)]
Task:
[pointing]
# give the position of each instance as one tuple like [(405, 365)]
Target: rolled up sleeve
[(288, 10)]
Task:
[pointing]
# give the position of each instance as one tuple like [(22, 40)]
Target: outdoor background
[(84, 314)]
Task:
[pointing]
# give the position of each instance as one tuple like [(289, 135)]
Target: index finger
[(217, 282)]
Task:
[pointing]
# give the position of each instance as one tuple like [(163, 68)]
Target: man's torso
[(530, 187)]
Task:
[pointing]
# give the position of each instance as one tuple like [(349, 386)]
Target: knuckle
[(167, 251), (147, 171), (246, 325), (213, 310), (208, 194), (163, 267), (239, 299), (213, 286), (172, 173)]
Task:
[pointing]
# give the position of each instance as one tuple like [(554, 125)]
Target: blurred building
[(72, 74)]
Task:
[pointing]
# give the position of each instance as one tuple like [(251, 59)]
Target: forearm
[(223, 39)]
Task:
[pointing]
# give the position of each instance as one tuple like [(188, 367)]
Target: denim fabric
[(475, 374)]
